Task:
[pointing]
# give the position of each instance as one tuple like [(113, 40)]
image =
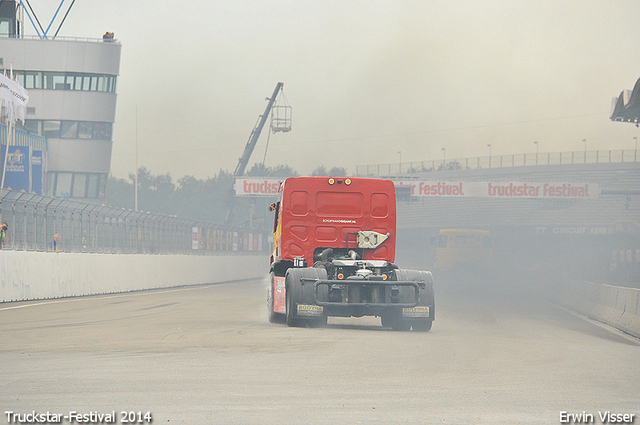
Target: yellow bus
[(463, 249)]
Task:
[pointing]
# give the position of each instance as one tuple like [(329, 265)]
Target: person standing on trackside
[(3, 234), (52, 245)]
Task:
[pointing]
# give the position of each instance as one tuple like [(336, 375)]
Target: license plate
[(309, 310), (421, 311)]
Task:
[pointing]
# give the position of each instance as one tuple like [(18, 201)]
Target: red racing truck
[(333, 252)]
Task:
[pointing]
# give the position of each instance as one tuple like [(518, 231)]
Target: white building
[(72, 103)]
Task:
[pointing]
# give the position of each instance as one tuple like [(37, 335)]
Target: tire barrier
[(41, 275), (614, 305)]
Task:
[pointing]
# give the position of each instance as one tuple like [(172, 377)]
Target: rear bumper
[(370, 297)]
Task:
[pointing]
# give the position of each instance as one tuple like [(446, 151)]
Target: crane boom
[(255, 134), (243, 161)]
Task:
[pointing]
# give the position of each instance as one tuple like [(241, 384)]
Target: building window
[(79, 185), (62, 186), (32, 126), (58, 82), (102, 131), (76, 185), (68, 129), (30, 80), (66, 81), (51, 130), (102, 187), (92, 188), (85, 130), (5, 28), (77, 83)]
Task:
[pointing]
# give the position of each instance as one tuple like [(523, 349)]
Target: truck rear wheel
[(322, 294), (425, 298), (396, 319), (299, 293), (422, 325), (293, 296)]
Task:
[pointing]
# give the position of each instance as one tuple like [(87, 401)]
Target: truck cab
[(334, 245)]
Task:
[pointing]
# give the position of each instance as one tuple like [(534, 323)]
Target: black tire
[(322, 295), (426, 297), (274, 317), (297, 293), (293, 295), (407, 295), (422, 325)]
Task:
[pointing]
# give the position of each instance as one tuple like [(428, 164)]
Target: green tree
[(155, 193), (321, 170), (338, 172), (205, 200), (119, 193), (259, 170)]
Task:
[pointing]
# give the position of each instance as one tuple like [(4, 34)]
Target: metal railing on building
[(23, 138), (499, 161), (63, 38), (34, 220)]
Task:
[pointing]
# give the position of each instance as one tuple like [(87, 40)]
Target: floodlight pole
[(10, 130), (135, 183)]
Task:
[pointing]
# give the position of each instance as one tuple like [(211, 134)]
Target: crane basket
[(281, 118)]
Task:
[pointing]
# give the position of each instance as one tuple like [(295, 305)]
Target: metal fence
[(499, 161), (34, 220)]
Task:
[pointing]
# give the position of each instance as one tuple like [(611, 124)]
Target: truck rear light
[(347, 181), (332, 181), (340, 276)]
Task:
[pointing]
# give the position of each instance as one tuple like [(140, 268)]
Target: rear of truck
[(334, 248)]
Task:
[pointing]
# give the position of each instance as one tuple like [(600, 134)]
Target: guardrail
[(63, 38), (34, 220), (616, 306), (517, 160)]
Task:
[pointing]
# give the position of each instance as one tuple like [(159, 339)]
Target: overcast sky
[(365, 79)]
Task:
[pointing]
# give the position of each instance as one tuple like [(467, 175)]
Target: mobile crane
[(243, 161)]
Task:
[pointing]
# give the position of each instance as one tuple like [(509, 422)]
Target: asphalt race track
[(207, 355)]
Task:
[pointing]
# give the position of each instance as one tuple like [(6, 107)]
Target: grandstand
[(626, 107)]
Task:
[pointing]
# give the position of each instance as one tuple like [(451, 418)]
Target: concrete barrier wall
[(613, 305), (38, 275)]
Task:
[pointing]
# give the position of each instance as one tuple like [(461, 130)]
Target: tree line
[(200, 199)]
